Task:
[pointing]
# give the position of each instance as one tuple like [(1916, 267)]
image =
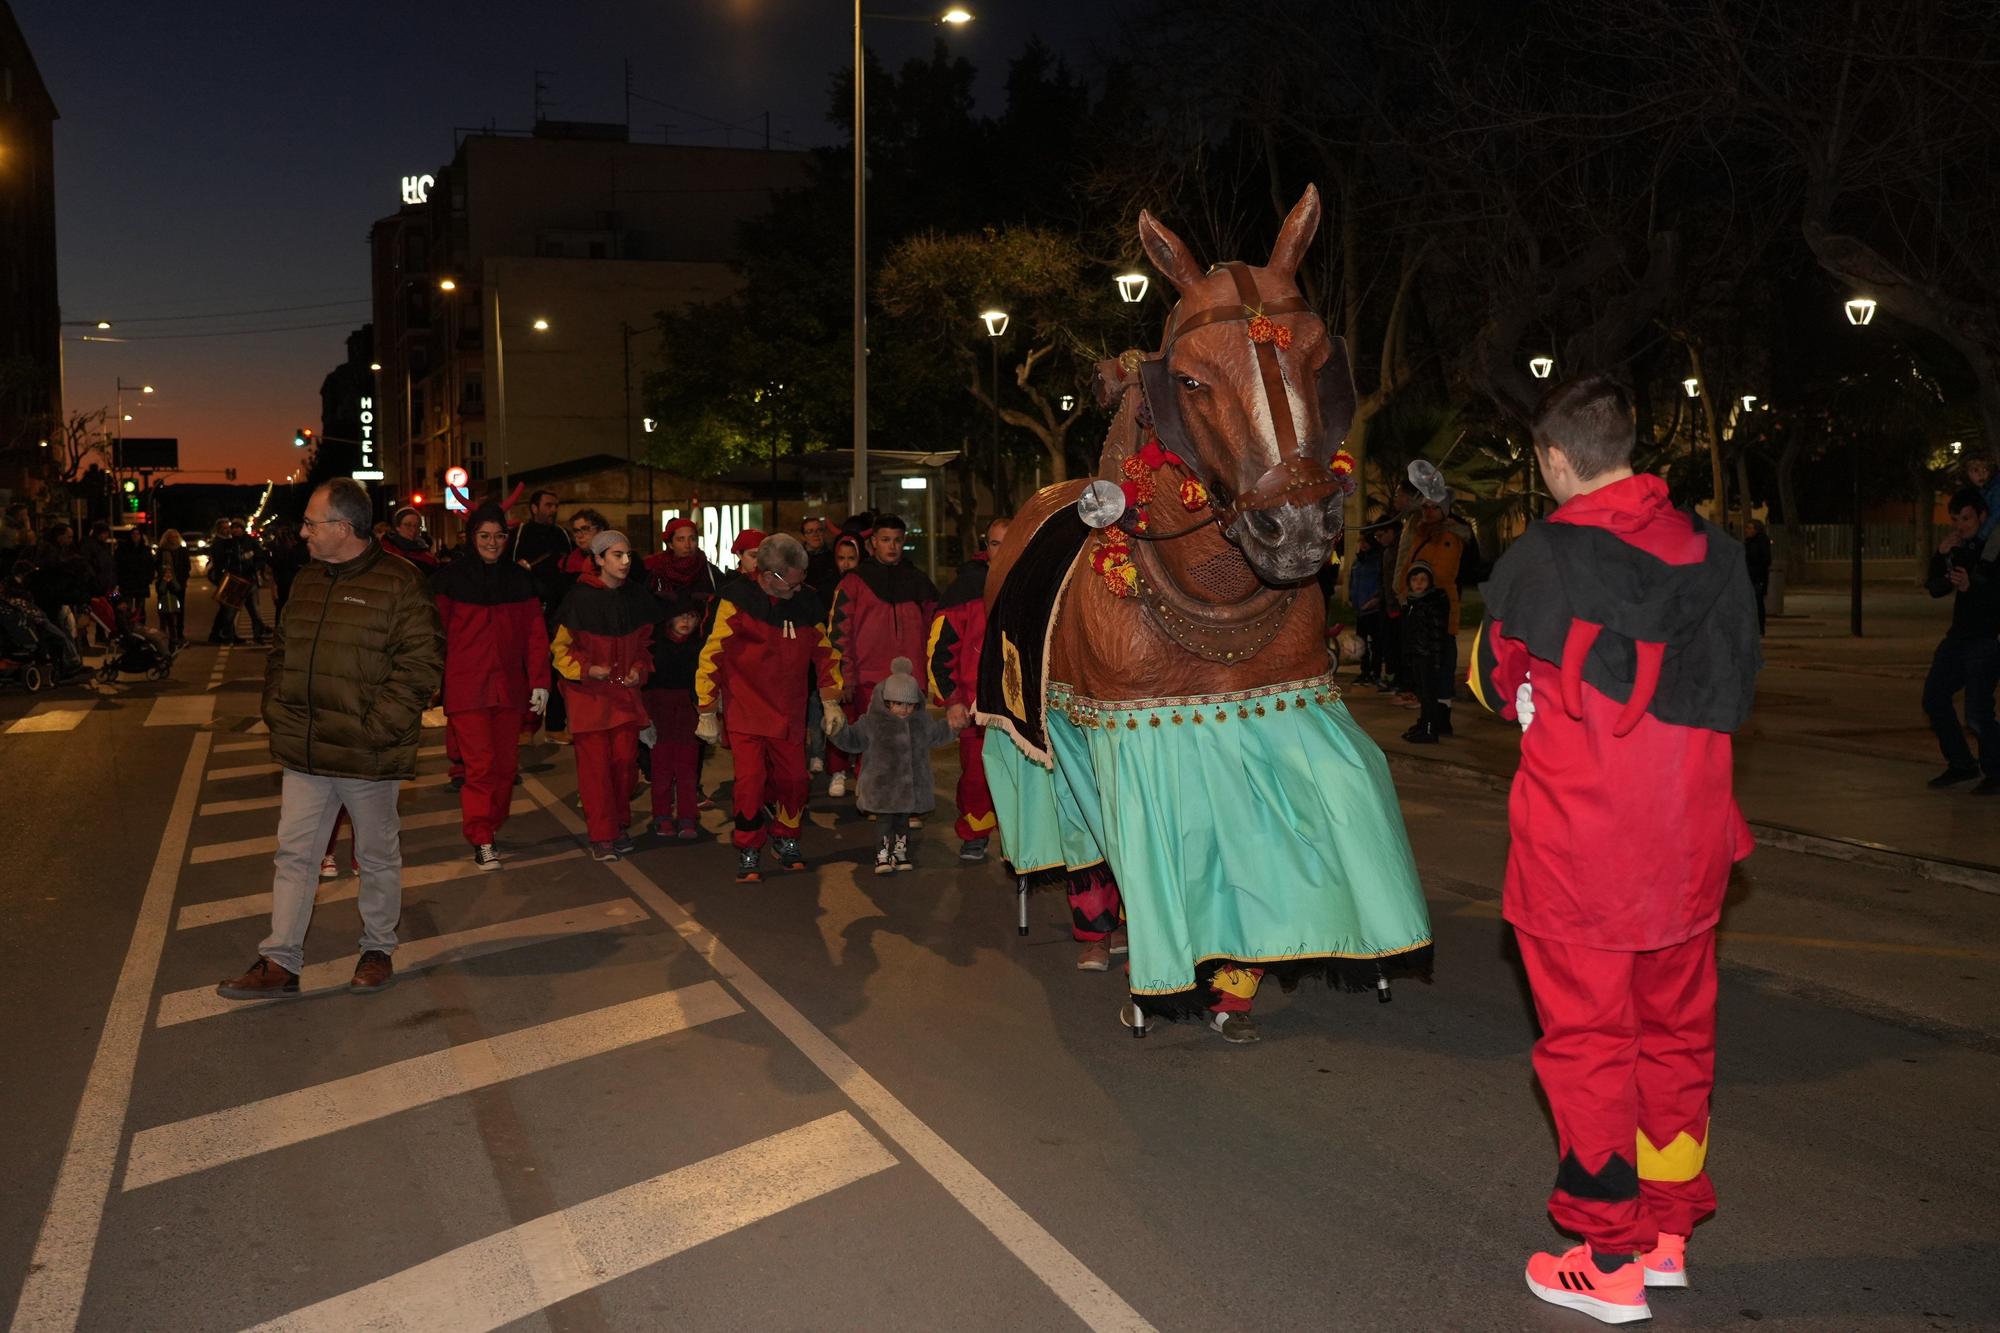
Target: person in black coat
[(1426, 634), (1757, 557)]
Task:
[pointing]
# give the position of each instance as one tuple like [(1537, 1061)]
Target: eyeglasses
[(582, 529), (798, 576), (310, 522)]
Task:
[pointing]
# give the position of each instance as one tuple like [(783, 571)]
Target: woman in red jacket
[(496, 667), (603, 650)]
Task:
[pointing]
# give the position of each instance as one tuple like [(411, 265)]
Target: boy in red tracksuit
[(603, 651), (496, 671), (769, 640), (1621, 634), (881, 611), (957, 632), (669, 697)]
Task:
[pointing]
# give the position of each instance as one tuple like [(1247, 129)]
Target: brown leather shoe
[(1094, 957), (371, 972), (264, 981), (1117, 942)]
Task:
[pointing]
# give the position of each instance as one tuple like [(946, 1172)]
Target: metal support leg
[(1133, 1018), (1021, 894), (1382, 995)]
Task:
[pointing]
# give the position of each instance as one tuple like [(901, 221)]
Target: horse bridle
[(1302, 475)]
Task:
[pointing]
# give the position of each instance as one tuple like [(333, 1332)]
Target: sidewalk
[(1834, 758)]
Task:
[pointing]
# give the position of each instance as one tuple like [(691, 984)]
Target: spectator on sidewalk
[(496, 669), (171, 588), (238, 554), (1982, 476), (881, 611), (17, 536), (1426, 660), (406, 538), (767, 649), (136, 570), (1968, 657), (822, 573), (1367, 592), (1434, 540), (1623, 829), (288, 557), (1757, 559), (958, 632), (603, 651), (355, 660)]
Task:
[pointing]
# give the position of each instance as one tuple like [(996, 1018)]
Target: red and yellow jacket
[(880, 613), (495, 648), (957, 632), (761, 657), (1634, 626), (612, 628)]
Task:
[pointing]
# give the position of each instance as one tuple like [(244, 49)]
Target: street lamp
[(1861, 310), (1541, 367), (1749, 400), (1132, 287), (1066, 401), (541, 326), (1693, 386), (857, 490), (996, 326), (375, 366), (447, 285)]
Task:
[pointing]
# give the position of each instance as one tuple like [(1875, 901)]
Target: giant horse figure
[(1155, 677)]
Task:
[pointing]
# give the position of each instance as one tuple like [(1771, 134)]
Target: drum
[(233, 591)]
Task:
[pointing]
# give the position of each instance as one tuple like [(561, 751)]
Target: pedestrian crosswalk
[(55, 715), (577, 1241)]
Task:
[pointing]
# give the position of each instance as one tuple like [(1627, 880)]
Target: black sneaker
[(972, 849), (603, 851), (748, 870), (486, 857), (788, 854), (623, 844), (900, 851), (1954, 775), (885, 858)]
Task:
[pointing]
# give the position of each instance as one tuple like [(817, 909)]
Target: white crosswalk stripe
[(55, 715), (182, 710), (417, 783), (243, 1131), (495, 1281), (267, 844), (325, 978), (344, 889)]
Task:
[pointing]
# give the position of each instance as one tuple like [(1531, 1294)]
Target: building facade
[(30, 314), (516, 292)]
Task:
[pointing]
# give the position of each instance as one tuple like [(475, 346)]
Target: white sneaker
[(327, 868), (837, 788), (815, 765), (486, 857)]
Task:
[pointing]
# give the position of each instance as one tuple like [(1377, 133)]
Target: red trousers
[(1627, 1059), (770, 770), (676, 770), (837, 759), (607, 769), (1095, 909), (975, 802), (452, 754), (489, 741)]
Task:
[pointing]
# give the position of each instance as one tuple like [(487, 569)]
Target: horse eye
[(1190, 383)]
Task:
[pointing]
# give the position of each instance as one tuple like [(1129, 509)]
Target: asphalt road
[(648, 1097)]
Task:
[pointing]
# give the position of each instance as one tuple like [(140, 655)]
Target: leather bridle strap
[(1267, 353)]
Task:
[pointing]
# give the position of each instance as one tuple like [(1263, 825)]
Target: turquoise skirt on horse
[(1259, 828)]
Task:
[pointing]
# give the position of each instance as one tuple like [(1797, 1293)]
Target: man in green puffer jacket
[(357, 656)]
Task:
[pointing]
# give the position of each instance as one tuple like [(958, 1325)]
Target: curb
[(1781, 837)]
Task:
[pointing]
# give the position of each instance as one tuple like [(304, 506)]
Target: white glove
[(707, 728), (538, 702), (650, 736), (1524, 704), (833, 721)]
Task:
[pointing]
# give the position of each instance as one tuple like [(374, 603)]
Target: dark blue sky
[(230, 157)]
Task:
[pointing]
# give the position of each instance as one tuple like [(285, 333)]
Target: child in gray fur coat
[(897, 735)]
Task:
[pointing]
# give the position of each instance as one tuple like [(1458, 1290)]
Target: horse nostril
[(1265, 525)]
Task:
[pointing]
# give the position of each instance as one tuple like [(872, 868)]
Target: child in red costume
[(603, 651), (958, 631), (1622, 634)]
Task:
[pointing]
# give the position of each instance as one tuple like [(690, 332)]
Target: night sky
[(230, 157)]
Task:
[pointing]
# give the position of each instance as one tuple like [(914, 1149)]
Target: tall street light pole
[(996, 325), (857, 486), (1860, 313)]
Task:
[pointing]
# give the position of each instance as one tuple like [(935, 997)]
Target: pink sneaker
[(1666, 1265), (1573, 1281)]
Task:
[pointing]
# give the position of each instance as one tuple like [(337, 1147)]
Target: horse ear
[(1168, 253), (1301, 224)]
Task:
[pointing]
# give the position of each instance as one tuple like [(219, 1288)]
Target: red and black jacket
[(1635, 627), (880, 613), (957, 633), (612, 628), (760, 657), (495, 647)]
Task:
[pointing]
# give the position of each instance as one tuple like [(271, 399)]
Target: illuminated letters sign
[(417, 189), (370, 469)]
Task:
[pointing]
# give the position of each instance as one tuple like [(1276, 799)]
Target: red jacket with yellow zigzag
[(761, 657)]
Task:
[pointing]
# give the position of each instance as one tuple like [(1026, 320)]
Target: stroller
[(135, 649), (31, 651)]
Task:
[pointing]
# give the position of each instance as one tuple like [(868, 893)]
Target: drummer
[(236, 566)]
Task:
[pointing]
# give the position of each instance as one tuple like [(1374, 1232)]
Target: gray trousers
[(306, 816)]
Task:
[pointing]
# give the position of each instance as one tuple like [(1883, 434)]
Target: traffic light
[(302, 437), (417, 500), (130, 486), (230, 473), (131, 489)]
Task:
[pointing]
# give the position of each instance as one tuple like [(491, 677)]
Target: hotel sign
[(371, 467), (417, 189)]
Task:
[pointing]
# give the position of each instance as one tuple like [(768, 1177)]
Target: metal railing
[(1835, 541)]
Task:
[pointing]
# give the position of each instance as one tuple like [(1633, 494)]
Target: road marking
[(1088, 1296), (234, 747), (509, 1276), (52, 1296), (57, 716), (182, 710), (209, 853), (273, 802), (258, 728), (326, 978), (230, 1135), (344, 889), (243, 771)]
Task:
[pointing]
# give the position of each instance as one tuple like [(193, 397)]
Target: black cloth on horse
[(1018, 624)]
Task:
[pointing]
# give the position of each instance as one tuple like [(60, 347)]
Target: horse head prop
[(1254, 395)]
